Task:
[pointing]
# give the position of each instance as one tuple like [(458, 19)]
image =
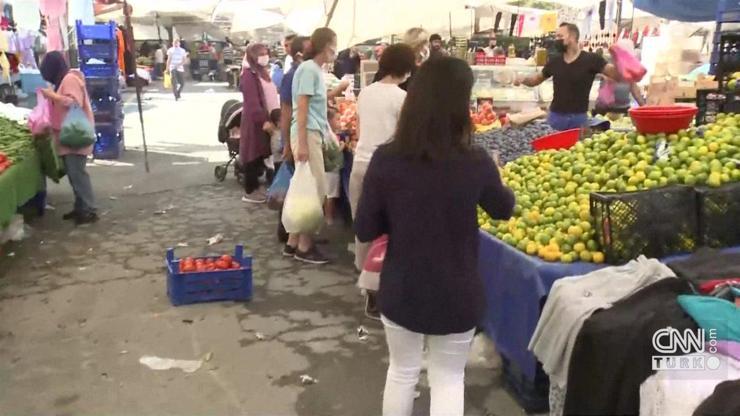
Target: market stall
[(24, 163)]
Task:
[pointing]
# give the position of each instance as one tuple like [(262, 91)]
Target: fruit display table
[(516, 287), (18, 185)]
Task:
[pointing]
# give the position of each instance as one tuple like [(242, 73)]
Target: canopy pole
[(331, 12), (137, 83)]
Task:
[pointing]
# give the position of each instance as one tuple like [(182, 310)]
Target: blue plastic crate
[(103, 87), (105, 31), (30, 82), (106, 109), (109, 147), (103, 51), (197, 287), (100, 70)]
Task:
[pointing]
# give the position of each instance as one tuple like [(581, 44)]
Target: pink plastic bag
[(606, 94), (628, 66), (370, 275), (39, 121)]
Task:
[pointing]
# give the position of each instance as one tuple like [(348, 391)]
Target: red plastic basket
[(662, 119), (560, 140)]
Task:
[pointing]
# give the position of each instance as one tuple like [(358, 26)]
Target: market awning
[(681, 10)]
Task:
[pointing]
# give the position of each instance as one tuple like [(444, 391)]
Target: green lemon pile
[(552, 218)]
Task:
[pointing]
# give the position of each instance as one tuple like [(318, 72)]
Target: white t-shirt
[(378, 106), (177, 57)]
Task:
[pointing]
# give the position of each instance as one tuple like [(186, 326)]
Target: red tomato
[(226, 259), (188, 259), (221, 265), (210, 267), (188, 267), (235, 265), (201, 267), (210, 261)]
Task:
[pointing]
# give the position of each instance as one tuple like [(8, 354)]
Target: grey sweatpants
[(357, 177), (80, 181)]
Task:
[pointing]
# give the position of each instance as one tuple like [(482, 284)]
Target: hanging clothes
[(4, 41), (53, 8), (26, 14), (612, 354), (121, 50), (54, 35), (81, 10), (26, 40), (5, 66), (712, 313), (573, 300), (549, 22)]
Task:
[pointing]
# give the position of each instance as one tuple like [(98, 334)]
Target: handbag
[(370, 276), (77, 131)]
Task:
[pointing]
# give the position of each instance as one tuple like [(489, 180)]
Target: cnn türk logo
[(689, 350)]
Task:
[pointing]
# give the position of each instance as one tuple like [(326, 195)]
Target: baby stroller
[(228, 133)]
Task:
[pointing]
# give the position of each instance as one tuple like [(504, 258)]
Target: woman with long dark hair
[(260, 98), (422, 190), (69, 90)]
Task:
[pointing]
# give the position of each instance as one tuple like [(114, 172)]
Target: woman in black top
[(422, 189)]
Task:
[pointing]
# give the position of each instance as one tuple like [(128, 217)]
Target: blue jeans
[(80, 181), (566, 121)]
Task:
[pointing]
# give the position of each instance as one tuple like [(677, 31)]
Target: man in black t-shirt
[(573, 73)]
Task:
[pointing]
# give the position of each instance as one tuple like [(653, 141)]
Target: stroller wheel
[(220, 172)]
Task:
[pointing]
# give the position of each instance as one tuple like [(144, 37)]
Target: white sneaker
[(256, 197)]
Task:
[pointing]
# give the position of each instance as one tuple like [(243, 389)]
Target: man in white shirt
[(493, 50), (176, 57), (159, 61)]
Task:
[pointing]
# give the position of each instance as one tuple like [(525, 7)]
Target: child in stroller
[(229, 133)]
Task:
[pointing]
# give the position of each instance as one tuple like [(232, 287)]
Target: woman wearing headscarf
[(68, 91), (260, 98)]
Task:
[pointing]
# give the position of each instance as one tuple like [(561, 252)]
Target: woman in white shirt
[(378, 108)]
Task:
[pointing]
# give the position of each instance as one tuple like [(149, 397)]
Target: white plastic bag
[(302, 212)]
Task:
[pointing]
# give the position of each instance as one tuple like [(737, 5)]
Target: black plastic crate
[(719, 215), (712, 102), (532, 395), (657, 222)]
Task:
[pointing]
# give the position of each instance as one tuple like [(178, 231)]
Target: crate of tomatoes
[(205, 279)]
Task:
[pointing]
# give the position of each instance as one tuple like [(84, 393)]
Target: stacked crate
[(98, 51)]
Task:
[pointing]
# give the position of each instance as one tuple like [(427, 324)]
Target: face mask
[(263, 60), (560, 46)]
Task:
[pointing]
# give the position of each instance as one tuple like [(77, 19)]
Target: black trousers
[(252, 172)]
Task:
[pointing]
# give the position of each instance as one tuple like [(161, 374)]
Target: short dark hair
[(275, 116), (289, 38), (572, 29), (435, 118), (397, 60), (320, 39), (435, 37), (296, 45)]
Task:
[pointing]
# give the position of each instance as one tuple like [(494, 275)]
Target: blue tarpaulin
[(683, 10)]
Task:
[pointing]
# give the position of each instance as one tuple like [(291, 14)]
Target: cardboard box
[(706, 82)]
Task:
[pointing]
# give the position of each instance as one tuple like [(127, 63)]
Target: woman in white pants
[(422, 190)]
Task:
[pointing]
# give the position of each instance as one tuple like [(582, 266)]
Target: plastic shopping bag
[(279, 188), (167, 83), (39, 121), (333, 155), (77, 131), (627, 64), (606, 94), (302, 212), (370, 275)]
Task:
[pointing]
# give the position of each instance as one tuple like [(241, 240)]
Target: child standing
[(333, 180)]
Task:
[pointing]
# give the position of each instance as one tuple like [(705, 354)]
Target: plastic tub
[(560, 140), (662, 119)]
